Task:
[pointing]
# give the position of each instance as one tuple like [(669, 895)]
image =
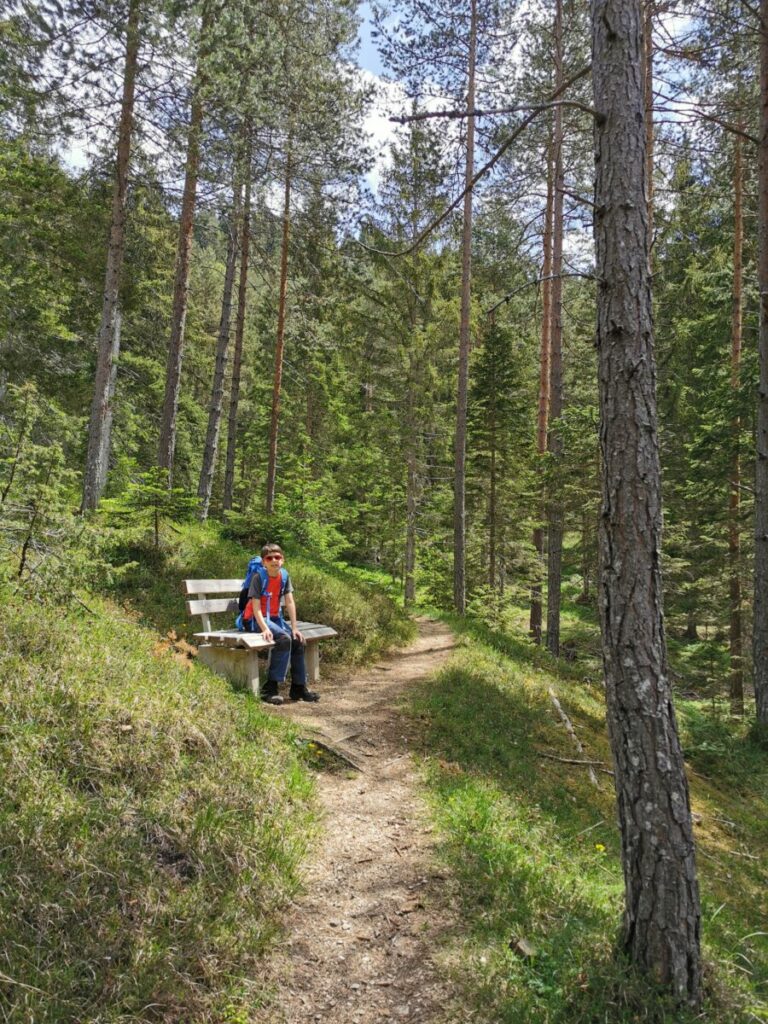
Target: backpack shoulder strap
[(254, 564)]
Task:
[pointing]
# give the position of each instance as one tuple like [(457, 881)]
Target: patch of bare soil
[(361, 943)]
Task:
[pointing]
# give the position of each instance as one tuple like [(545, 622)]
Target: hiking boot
[(302, 693), (269, 694)]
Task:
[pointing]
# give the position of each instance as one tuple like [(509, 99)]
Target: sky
[(388, 96), (368, 56)]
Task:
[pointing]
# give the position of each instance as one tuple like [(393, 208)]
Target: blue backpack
[(256, 565)]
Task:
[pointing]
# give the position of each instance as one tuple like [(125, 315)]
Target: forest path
[(360, 943)]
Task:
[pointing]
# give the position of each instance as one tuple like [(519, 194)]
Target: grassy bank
[(153, 821), (367, 619), (535, 847)]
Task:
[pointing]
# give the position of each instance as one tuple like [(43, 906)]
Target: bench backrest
[(201, 602)]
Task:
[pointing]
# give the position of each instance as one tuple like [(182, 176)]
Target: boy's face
[(273, 562)]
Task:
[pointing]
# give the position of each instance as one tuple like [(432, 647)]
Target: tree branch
[(531, 284), (693, 111), (483, 170), (456, 114)]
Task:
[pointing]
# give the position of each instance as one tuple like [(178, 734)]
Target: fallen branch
[(572, 733), (573, 760), (589, 828)]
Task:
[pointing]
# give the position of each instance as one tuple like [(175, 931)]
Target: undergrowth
[(534, 846)]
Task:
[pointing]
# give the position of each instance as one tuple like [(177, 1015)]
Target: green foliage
[(721, 747), (151, 825), (49, 257), (303, 519), (149, 502)]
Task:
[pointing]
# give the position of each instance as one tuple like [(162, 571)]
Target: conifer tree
[(662, 917), (167, 444), (100, 426), (760, 629), (217, 389)]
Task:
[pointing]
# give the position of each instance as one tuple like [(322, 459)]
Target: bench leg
[(240, 666), (312, 661), (252, 673)]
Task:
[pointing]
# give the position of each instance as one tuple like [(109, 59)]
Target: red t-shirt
[(271, 594), (272, 589)]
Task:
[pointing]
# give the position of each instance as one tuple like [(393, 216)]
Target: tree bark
[(460, 470), (760, 628), (277, 386), (24, 426), (492, 499), (237, 357), (648, 12), (543, 408), (167, 445), (662, 914), (109, 412), (211, 450), (736, 681), (411, 500), (554, 443), (100, 425)]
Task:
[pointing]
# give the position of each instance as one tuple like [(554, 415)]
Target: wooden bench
[(239, 655)]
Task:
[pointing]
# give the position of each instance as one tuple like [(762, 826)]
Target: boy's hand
[(267, 634), (297, 636)]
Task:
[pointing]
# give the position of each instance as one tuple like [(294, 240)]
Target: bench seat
[(240, 656)]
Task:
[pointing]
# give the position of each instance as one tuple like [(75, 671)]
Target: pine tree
[(662, 915)]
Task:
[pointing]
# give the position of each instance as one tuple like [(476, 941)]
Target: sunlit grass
[(534, 846)]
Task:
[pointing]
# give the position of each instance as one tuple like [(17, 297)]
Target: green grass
[(535, 847), (153, 822)]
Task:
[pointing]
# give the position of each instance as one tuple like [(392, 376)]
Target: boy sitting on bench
[(265, 593)]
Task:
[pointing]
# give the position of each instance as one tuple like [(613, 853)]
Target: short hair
[(270, 549)]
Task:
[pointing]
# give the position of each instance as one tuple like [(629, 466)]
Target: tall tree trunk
[(736, 681), (277, 386), (100, 425), (492, 500), (411, 503), (109, 413), (167, 445), (662, 914), (24, 425), (411, 456), (648, 12), (211, 450), (237, 357), (460, 473), (760, 629), (543, 408), (554, 443)]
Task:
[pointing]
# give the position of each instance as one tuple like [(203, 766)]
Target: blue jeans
[(286, 651)]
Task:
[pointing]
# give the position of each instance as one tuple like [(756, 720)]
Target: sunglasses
[(273, 558)]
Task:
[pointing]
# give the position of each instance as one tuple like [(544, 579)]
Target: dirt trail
[(361, 942)]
